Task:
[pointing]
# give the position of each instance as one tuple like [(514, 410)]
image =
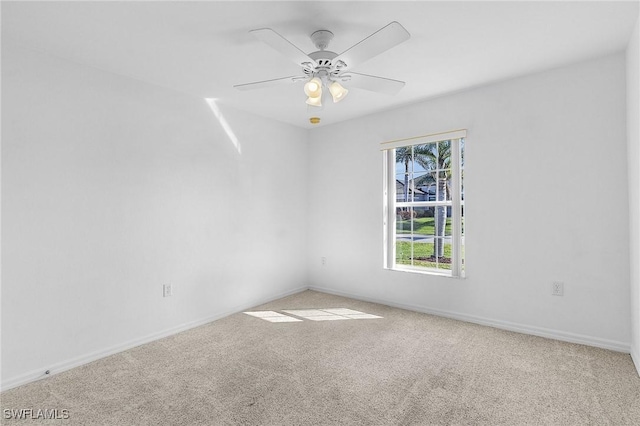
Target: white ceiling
[(204, 48)]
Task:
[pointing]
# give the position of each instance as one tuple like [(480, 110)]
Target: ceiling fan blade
[(380, 41), (269, 83), (282, 45), (375, 84)]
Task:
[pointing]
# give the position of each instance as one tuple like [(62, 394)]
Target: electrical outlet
[(557, 289), (167, 291), (324, 261)]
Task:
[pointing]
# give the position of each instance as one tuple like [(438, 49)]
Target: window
[(424, 204)]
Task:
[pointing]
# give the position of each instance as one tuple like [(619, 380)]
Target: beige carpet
[(407, 368)]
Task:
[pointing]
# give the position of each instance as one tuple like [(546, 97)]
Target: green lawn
[(421, 225), (420, 250)]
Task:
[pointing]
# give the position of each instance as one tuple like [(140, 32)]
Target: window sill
[(423, 271)]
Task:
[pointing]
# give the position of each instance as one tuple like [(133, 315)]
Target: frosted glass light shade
[(315, 101), (337, 91), (313, 87)]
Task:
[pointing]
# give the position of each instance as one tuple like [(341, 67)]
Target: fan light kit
[(325, 70)]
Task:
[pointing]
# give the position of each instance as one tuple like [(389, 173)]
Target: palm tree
[(405, 155), (437, 159)]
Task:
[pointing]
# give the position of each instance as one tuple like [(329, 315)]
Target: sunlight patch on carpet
[(331, 314), (272, 316)]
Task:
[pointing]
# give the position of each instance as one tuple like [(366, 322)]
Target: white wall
[(111, 188), (546, 194), (633, 135)]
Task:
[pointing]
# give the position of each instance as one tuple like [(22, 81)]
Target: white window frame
[(456, 203)]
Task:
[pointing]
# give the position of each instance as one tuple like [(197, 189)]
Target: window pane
[(404, 238), (403, 252), (423, 233), (404, 173), (442, 221), (442, 183), (403, 222), (442, 259), (420, 186), (424, 156), (429, 189), (423, 253), (443, 155), (423, 222), (402, 191), (442, 240)]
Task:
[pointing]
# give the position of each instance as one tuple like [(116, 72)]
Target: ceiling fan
[(326, 69)]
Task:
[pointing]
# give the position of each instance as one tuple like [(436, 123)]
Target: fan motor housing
[(324, 59)]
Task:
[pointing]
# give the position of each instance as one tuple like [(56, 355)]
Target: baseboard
[(94, 356), (635, 356), (504, 325)]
